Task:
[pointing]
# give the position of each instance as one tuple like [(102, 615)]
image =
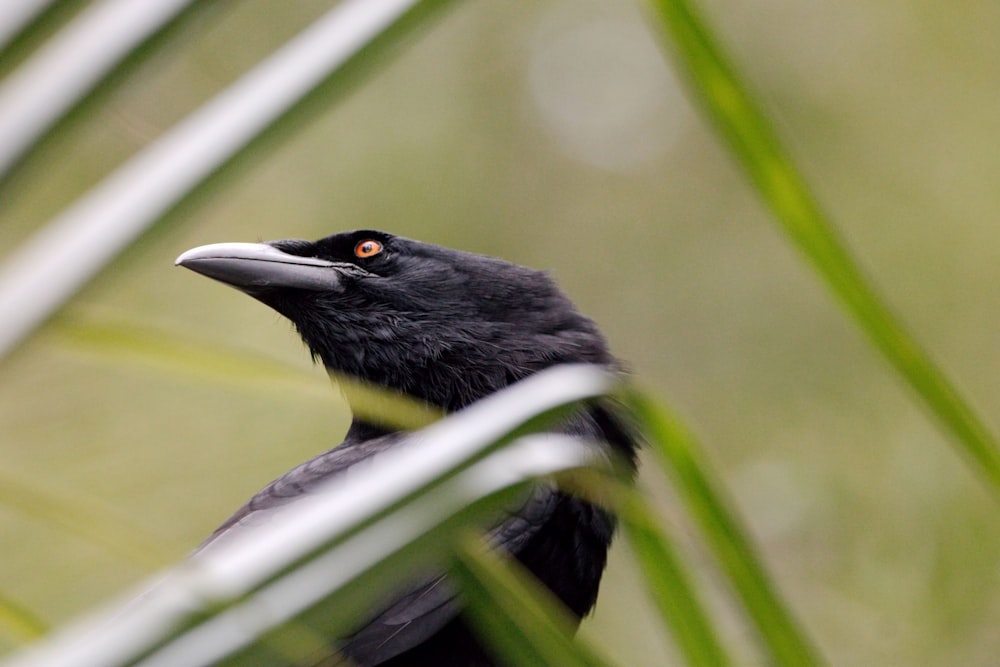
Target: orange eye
[(367, 248)]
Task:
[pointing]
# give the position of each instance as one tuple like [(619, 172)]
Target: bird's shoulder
[(302, 479)]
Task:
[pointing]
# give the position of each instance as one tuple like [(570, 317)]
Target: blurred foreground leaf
[(667, 579), (523, 622), (750, 136), (680, 455), (172, 353), (344, 545), (48, 269), (22, 17), (65, 71), (178, 354)]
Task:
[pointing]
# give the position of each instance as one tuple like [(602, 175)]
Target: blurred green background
[(554, 134)]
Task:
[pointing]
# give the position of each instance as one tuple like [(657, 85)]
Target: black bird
[(445, 327)]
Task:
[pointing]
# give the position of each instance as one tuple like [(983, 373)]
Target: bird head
[(440, 325)]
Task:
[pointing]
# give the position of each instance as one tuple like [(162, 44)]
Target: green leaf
[(24, 24), (48, 269), (345, 544), (179, 354), (750, 136), (666, 577), (680, 455), (99, 42), (169, 352), (523, 622)]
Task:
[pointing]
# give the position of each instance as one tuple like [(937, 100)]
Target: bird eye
[(367, 248)]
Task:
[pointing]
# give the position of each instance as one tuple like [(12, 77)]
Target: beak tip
[(185, 257)]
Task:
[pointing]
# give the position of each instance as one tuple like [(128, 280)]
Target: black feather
[(448, 328)]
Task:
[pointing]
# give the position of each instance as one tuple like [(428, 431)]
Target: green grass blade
[(65, 71), (346, 544), (122, 343), (521, 620), (666, 577), (19, 17), (327, 57), (680, 455), (750, 136), (182, 355)]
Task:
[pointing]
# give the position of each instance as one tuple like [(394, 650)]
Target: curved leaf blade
[(522, 620), (750, 136), (52, 265), (667, 578), (342, 543), (61, 75), (680, 455)]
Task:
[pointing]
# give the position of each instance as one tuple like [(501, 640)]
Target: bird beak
[(256, 267)]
